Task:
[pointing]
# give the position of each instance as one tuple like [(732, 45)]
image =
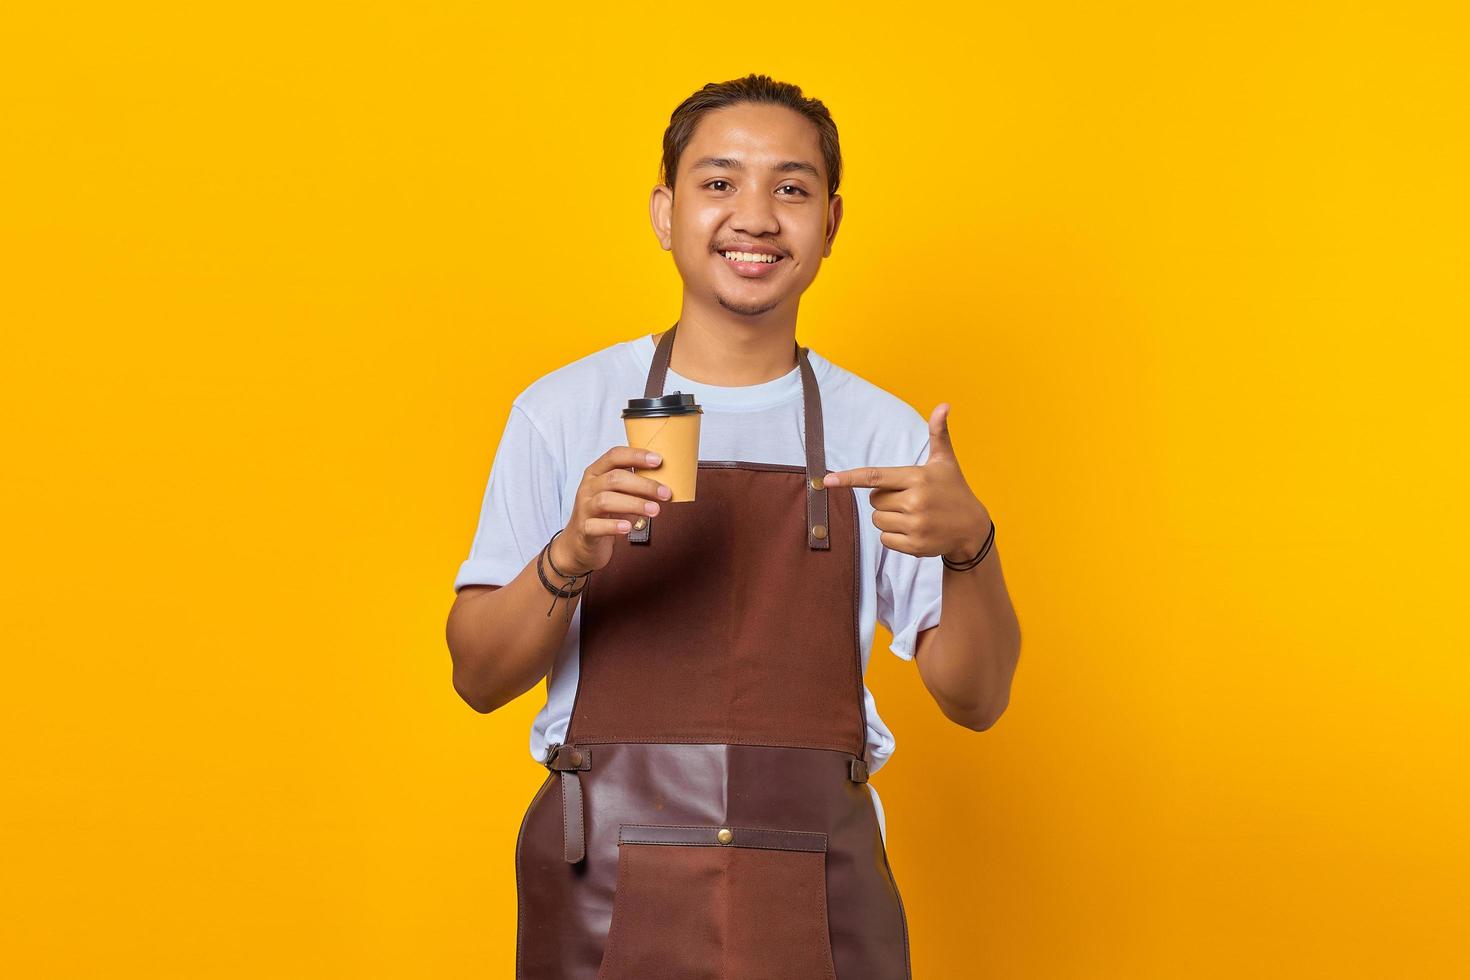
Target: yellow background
[(1193, 278)]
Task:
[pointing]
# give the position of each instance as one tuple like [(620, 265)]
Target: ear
[(661, 213), (834, 218)]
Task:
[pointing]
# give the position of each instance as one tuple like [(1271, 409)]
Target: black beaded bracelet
[(969, 563), (558, 591)]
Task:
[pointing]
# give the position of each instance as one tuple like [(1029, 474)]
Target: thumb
[(939, 445)]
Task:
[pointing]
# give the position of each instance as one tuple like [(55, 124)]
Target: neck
[(722, 348)]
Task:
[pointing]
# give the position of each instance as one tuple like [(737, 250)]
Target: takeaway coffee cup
[(667, 425)]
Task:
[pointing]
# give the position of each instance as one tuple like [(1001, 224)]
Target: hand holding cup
[(663, 433), (609, 498)]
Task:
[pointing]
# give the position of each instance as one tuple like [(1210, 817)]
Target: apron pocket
[(719, 902)]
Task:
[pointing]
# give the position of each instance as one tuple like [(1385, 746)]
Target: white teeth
[(749, 257)]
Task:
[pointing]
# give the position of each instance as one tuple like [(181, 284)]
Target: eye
[(792, 187), (718, 180)]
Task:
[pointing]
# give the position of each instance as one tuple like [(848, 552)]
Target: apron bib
[(706, 817)]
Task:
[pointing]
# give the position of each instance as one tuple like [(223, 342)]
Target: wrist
[(969, 546), (562, 559)]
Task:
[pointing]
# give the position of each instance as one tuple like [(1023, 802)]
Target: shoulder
[(864, 423), (559, 403), (598, 369)]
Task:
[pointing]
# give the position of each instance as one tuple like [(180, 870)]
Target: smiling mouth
[(761, 257)]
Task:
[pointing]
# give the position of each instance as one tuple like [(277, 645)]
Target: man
[(707, 728)]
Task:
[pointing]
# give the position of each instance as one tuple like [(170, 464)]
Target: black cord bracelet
[(969, 563), (553, 564), (558, 591)]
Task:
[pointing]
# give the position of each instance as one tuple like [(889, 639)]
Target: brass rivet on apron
[(725, 836), (816, 482), (819, 531), (641, 523), (576, 757)]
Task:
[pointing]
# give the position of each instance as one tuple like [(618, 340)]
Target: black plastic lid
[(673, 403)]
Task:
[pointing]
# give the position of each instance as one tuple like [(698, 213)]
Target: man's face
[(749, 220)]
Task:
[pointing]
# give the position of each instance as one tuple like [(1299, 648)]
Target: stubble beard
[(753, 309)]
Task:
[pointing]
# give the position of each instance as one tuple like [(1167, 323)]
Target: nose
[(754, 214)]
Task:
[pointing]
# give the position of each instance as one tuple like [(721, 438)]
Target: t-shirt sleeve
[(521, 508), (909, 592)]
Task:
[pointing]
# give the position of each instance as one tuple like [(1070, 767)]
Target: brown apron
[(707, 815)]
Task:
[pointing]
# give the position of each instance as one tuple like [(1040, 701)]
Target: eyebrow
[(729, 163)]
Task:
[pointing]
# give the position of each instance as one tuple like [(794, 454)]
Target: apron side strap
[(574, 840), (857, 771), (568, 760)]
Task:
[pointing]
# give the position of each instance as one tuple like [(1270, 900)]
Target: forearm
[(969, 659), (501, 641)]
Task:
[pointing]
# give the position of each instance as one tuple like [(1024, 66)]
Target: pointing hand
[(924, 510)]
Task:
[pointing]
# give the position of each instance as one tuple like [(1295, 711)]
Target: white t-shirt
[(566, 419)]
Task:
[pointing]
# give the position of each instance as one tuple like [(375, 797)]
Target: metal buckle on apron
[(568, 760)]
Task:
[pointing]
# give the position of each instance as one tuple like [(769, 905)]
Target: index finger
[(623, 458), (886, 477)]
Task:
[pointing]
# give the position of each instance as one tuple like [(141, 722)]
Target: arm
[(968, 661), (925, 510), (500, 639)]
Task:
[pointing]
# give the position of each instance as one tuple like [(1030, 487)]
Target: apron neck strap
[(816, 455)]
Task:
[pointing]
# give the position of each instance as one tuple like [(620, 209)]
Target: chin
[(747, 308)]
